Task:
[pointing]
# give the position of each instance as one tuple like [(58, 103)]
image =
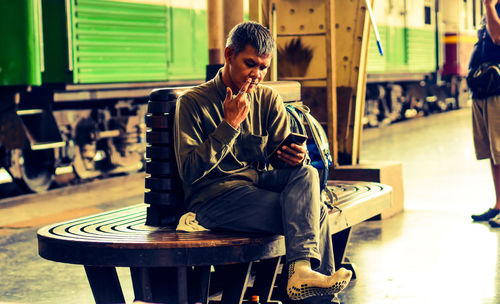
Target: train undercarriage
[(389, 101), (71, 138)]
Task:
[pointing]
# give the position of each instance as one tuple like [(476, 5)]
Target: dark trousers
[(284, 201)]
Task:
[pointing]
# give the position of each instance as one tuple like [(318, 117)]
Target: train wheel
[(83, 164), (34, 169)]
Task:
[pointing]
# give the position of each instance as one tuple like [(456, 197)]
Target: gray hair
[(253, 34)]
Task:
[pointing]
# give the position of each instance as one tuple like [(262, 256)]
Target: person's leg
[(244, 209), (305, 223), (284, 202), (493, 105), (307, 234), (484, 115), (495, 170)]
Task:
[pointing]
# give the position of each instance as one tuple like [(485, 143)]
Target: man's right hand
[(236, 109), (490, 2)]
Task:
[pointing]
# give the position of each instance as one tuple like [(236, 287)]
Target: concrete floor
[(431, 253)]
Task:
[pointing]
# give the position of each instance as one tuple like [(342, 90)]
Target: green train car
[(427, 45), (74, 76)]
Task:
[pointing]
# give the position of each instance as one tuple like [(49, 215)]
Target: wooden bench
[(161, 260), (177, 267)]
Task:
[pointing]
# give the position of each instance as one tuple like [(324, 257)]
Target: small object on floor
[(495, 222), (491, 213)]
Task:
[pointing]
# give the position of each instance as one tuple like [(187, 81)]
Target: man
[(222, 141), (486, 110)]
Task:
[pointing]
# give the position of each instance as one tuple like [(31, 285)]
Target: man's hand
[(236, 110), (492, 20), (490, 2), (293, 155)]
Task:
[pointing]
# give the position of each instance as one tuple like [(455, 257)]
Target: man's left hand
[(293, 155)]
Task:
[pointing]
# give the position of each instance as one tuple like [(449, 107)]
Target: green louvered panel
[(421, 50), (117, 41), (406, 50), (377, 63)]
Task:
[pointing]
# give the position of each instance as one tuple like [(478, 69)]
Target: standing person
[(486, 109), (222, 141)]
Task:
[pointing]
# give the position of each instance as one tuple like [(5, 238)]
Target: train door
[(189, 42)]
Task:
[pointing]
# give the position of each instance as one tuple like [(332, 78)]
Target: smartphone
[(292, 138)]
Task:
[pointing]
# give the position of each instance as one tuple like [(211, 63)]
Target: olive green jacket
[(212, 156)]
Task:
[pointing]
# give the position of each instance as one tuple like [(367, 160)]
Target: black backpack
[(302, 122)]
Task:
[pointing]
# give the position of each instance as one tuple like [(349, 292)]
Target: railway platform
[(431, 253)]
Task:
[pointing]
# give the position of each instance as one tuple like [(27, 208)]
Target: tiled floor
[(431, 253)]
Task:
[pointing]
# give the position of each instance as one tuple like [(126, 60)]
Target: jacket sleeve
[(196, 152)]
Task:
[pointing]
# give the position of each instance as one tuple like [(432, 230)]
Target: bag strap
[(316, 136), (325, 158), (332, 199), (293, 111)]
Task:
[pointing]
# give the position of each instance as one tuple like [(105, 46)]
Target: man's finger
[(229, 94), (245, 86)]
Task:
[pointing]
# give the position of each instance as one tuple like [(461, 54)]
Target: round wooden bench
[(164, 262)]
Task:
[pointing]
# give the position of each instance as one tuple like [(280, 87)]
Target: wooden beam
[(215, 34), (350, 23), (233, 14), (255, 11), (361, 91), (331, 77)]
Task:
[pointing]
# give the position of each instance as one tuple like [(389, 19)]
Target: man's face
[(247, 64)]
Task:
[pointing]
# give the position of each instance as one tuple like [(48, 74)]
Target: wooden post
[(351, 23), (331, 79), (233, 14), (361, 91), (255, 11), (215, 34)]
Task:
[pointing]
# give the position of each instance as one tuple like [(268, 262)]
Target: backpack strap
[(292, 110), (331, 200), (319, 141), (325, 154)]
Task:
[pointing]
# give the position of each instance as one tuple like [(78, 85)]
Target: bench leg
[(104, 284), (181, 285), (159, 284), (198, 281), (141, 284), (235, 282), (281, 281), (265, 277), (340, 242)]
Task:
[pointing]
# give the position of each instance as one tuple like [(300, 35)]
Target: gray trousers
[(284, 201)]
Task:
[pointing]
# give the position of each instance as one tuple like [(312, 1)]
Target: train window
[(427, 14)]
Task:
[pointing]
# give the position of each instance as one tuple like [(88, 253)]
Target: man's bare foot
[(303, 282)]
